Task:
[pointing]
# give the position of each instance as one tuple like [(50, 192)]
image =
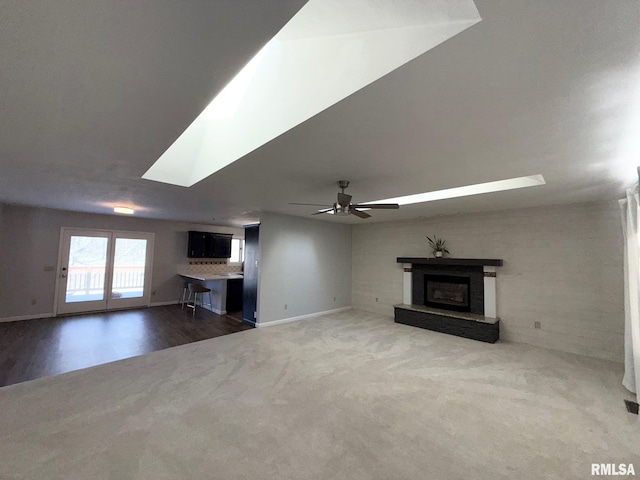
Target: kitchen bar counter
[(218, 285), (212, 276)]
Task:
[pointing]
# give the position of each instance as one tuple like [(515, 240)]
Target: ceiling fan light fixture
[(340, 210)]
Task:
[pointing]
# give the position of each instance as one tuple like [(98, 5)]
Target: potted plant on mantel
[(437, 246)]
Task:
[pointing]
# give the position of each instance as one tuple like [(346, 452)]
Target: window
[(237, 251)]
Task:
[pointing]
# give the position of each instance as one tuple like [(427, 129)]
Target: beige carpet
[(350, 396)]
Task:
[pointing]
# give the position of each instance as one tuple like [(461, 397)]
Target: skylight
[(477, 189), (326, 52)]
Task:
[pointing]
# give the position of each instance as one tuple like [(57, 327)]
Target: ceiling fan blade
[(344, 200), (388, 206), (358, 213), (326, 210), (312, 204)]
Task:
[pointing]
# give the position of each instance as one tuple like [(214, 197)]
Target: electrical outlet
[(285, 306), (536, 325), (376, 299)]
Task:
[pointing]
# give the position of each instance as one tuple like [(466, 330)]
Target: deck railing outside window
[(87, 280)]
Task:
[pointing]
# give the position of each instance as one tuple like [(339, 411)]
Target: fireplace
[(457, 288), (447, 292), (450, 295)]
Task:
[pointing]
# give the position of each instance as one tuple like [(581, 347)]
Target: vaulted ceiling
[(92, 93)]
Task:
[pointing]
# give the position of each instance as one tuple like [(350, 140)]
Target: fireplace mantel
[(467, 262)]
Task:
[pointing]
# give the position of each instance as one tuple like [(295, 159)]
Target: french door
[(103, 270)]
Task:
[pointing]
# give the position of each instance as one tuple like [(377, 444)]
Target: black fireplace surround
[(471, 276), (447, 296)]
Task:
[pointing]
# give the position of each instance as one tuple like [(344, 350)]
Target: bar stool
[(195, 289)]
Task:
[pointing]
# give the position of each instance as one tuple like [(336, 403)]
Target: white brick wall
[(562, 267)]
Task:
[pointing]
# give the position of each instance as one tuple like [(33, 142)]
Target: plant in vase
[(438, 246)]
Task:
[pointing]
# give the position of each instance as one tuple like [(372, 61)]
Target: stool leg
[(189, 304), (195, 304), (182, 300)]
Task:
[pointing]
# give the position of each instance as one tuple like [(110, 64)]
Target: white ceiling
[(92, 93), (327, 51)]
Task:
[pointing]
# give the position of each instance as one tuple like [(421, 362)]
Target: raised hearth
[(451, 295), (461, 324)]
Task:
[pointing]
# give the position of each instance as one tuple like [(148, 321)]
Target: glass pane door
[(102, 270), (87, 268), (83, 271), (129, 261), (131, 283)]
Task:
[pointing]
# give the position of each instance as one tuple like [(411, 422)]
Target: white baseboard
[(162, 304), (26, 317), (159, 304), (173, 302), (51, 315), (250, 322), (301, 317)]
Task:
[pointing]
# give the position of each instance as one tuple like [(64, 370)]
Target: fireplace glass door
[(447, 291)]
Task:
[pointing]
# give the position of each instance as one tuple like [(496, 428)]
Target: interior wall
[(304, 264), (29, 243), (563, 267)]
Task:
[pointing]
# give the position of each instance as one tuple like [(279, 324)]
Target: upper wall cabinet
[(209, 245), (221, 246)]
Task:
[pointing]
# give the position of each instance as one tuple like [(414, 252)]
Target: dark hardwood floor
[(40, 348)]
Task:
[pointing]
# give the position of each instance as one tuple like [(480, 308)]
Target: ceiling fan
[(344, 206)]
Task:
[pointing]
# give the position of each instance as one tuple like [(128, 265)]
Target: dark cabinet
[(198, 244), (209, 245), (221, 246), (250, 286), (234, 295)]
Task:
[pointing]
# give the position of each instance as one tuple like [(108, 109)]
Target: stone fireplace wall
[(562, 268)]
